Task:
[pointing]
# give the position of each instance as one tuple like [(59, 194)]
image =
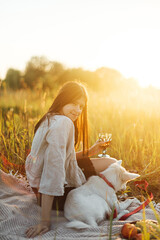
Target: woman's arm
[(45, 222), (47, 202), (93, 150)]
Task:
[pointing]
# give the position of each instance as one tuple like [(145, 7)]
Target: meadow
[(133, 118)]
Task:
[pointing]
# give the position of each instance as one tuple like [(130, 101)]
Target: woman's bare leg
[(100, 164)]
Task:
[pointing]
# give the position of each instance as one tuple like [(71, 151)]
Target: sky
[(119, 34)]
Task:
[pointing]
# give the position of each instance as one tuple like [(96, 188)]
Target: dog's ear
[(127, 176), (119, 162)]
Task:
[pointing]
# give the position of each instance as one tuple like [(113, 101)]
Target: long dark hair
[(69, 93)]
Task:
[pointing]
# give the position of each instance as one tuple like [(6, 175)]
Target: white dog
[(90, 203)]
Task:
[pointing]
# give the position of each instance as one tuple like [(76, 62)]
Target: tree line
[(41, 73)]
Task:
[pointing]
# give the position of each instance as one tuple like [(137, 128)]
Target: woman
[(52, 167)]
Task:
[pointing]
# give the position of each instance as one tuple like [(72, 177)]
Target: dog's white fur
[(89, 204)]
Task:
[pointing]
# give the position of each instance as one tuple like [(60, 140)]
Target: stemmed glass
[(107, 138)]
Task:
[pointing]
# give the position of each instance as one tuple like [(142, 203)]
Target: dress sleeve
[(53, 174)]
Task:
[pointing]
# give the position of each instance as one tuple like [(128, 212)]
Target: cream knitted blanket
[(19, 211)]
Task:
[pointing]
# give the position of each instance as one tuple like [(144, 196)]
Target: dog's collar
[(105, 179)]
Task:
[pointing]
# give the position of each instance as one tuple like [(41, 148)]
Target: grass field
[(132, 117)]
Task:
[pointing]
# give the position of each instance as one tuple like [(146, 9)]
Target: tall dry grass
[(133, 118)]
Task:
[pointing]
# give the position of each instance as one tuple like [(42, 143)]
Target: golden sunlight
[(135, 54)]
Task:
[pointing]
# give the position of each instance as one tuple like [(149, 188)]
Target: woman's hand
[(44, 225), (38, 229), (97, 148)]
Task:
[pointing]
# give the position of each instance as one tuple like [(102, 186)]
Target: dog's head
[(119, 176)]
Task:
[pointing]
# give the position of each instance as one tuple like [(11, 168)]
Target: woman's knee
[(100, 164)]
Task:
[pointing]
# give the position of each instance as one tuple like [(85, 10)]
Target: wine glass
[(107, 138)]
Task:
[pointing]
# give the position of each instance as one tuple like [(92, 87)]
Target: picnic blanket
[(19, 211)]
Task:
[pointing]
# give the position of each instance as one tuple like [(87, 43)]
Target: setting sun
[(123, 35)]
